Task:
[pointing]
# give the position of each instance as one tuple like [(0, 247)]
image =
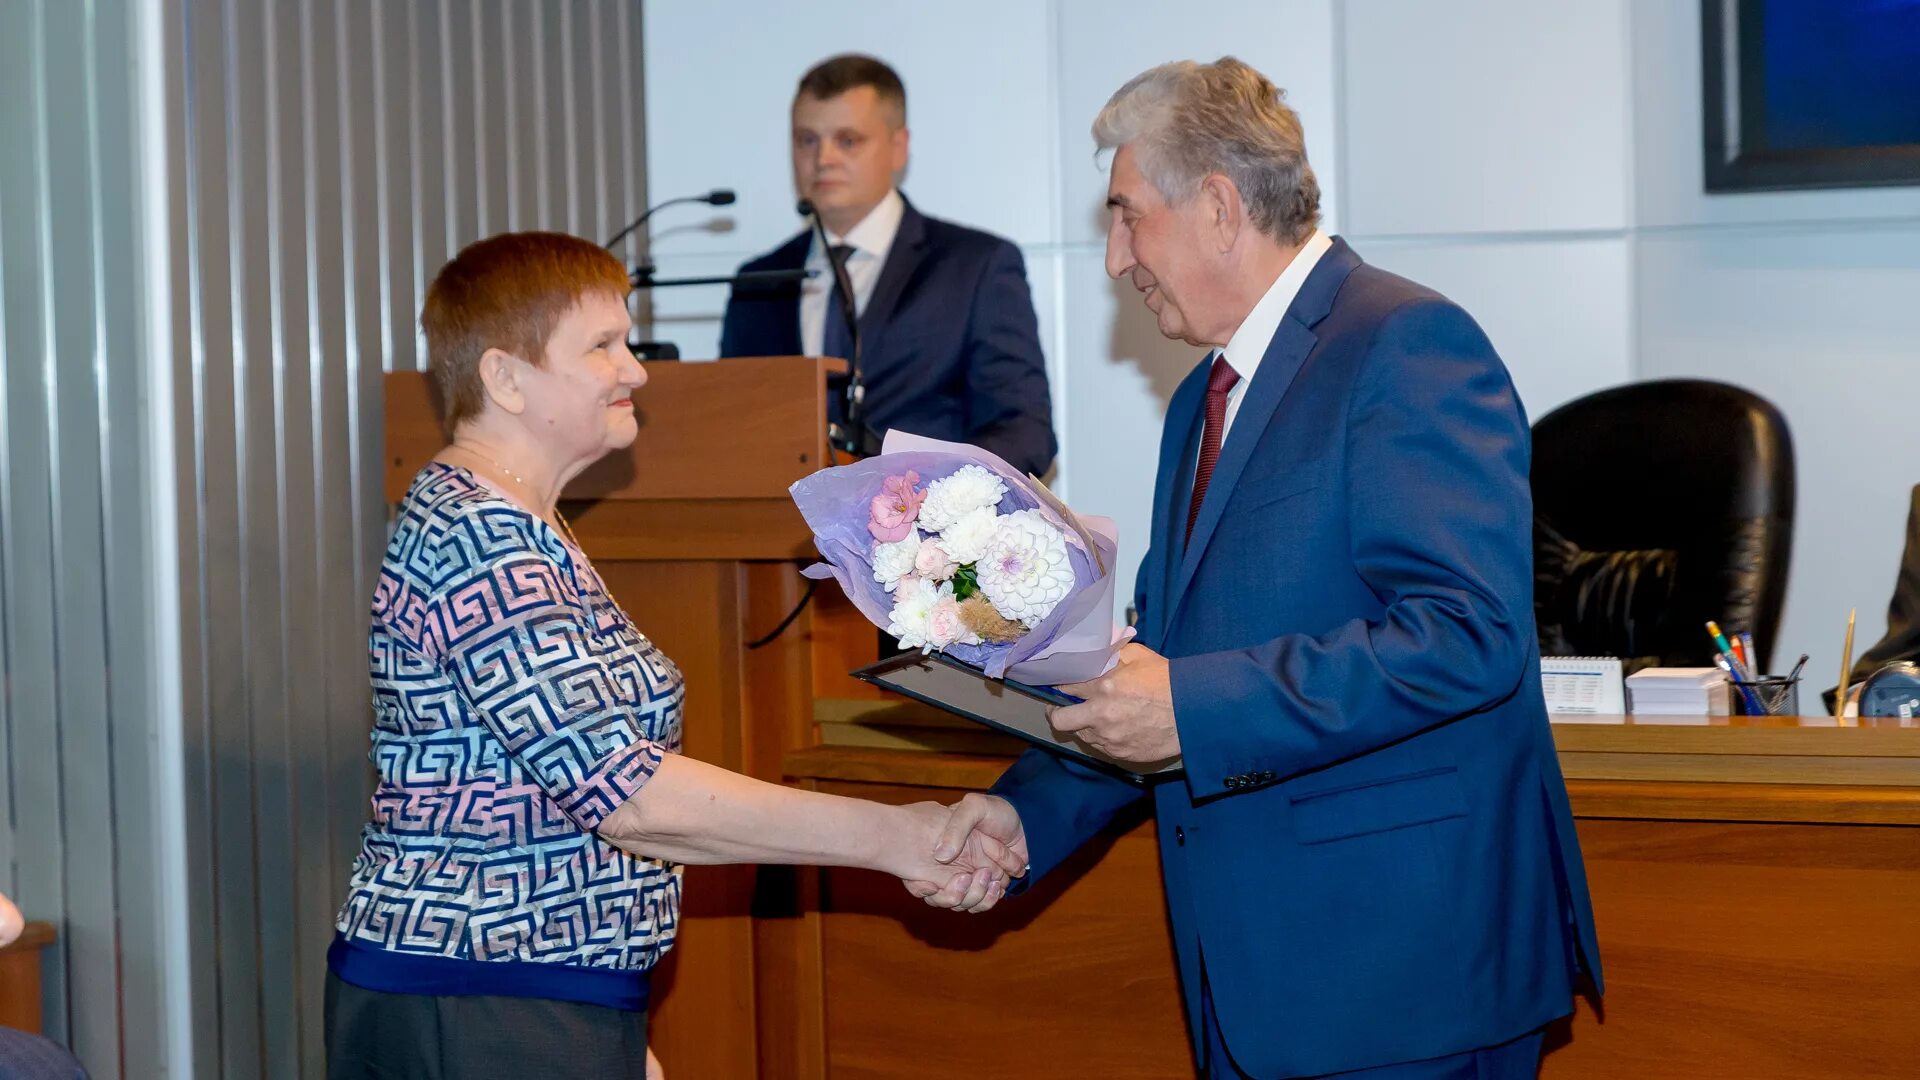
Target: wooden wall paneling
[(20, 962), (1758, 951), (703, 991), (788, 973), (843, 640), (1076, 978)]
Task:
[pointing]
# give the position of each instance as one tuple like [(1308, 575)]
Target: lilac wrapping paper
[(1074, 643)]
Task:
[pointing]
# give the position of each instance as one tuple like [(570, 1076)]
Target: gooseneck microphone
[(850, 435), (716, 197)]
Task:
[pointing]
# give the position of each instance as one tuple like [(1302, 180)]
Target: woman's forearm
[(692, 812)]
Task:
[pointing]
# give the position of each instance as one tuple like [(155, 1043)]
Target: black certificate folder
[(1002, 704)]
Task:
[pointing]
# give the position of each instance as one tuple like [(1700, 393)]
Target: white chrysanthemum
[(912, 617), (1025, 573), (966, 540), (891, 562), (951, 498)]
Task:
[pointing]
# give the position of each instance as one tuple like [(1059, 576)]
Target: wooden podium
[(693, 531)]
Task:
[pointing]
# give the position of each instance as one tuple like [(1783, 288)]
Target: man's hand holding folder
[(1127, 714)]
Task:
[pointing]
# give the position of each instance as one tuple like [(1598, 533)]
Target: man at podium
[(948, 343)]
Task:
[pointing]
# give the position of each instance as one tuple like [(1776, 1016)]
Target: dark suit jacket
[(1902, 640), (949, 345), (1371, 855)]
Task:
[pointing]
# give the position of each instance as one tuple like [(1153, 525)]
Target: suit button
[(1179, 836)]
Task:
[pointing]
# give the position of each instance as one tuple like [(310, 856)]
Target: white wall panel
[(1484, 116), (1103, 43), (1556, 309)]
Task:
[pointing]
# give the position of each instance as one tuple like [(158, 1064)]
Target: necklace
[(510, 474), (566, 529)]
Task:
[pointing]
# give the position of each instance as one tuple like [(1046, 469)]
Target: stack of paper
[(1666, 691)]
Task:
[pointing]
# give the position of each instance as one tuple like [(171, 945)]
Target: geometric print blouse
[(515, 707)]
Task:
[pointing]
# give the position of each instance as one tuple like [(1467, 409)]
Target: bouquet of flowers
[(949, 549)]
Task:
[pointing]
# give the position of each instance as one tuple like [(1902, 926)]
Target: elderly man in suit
[(1370, 862), (949, 346)]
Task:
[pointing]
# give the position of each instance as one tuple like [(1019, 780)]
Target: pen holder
[(1778, 693)]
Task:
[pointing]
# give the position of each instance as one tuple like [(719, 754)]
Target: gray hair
[(1187, 121)]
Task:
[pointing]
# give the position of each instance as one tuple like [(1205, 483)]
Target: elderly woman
[(520, 875)]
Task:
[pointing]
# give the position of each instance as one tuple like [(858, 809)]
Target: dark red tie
[(1219, 384)]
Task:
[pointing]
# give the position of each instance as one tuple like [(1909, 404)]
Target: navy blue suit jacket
[(1371, 852), (949, 345)]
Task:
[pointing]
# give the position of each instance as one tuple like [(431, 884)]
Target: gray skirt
[(372, 1035)]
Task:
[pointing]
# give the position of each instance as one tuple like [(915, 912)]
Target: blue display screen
[(1841, 73)]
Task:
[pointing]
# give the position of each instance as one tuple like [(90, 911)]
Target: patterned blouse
[(515, 707)]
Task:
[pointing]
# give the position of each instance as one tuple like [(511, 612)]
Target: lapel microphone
[(849, 436)]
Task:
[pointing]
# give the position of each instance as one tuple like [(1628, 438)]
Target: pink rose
[(946, 626), (933, 563), (893, 511)]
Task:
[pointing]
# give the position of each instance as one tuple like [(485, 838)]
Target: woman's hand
[(974, 879), (654, 1071)]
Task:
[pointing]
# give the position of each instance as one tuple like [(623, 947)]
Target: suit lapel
[(1285, 354), (786, 333), (909, 250), (1174, 489)]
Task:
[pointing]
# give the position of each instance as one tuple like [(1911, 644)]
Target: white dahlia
[(966, 540), (911, 621), (1025, 573), (891, 562), (951, 498)]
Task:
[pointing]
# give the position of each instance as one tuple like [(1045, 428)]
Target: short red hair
[(507, 292)]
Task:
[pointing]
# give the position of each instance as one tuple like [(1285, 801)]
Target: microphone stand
[(642, 276), (851, 435)]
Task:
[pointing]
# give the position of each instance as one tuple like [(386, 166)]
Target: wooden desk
[(20, 977), (1756, 884)]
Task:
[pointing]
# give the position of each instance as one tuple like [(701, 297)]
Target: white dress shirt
[(871, 240), (1249, 343)]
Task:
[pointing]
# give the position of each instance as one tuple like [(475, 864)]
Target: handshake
[(962, 857)]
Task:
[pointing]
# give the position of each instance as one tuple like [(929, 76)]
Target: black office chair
[(1658, 506)]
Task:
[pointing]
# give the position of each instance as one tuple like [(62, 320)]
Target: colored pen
[(1741, 679), (1720, 642), (1749, 654)]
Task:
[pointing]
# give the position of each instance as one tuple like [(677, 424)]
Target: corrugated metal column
[(319, 160), (76, 717)]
